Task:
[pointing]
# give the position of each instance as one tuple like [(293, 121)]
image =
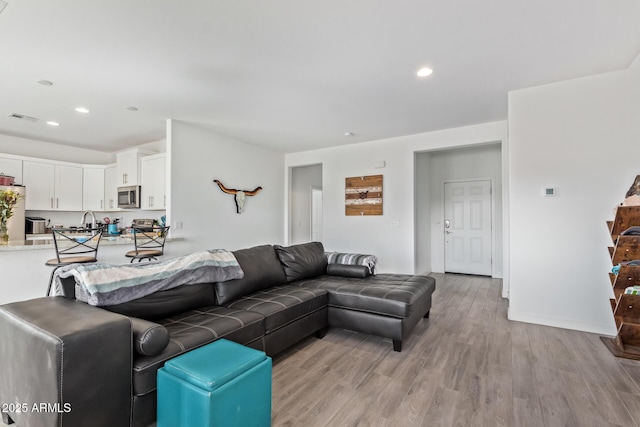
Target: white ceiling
[(292, 74)]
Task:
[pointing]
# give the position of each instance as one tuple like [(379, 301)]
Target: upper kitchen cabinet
[(52, 186), (153, 181), (11, 167), (39, 180), (128, 166), (93, 197), (68, 181), (111, 187)]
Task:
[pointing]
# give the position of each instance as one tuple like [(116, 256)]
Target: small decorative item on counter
[(6, 179), (632, 290), (8, 200)]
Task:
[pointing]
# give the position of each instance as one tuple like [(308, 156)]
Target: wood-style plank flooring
[(465, 366)]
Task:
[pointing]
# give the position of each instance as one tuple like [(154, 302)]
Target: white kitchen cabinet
[(52, 187), (93, 189), (68, 187), (153, 182), (39, 180), (11, 167), (128, 166), (111, 187)]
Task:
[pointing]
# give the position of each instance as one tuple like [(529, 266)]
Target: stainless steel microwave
[(129, 197)]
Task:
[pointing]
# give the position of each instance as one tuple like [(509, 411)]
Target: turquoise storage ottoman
[(219, 384)]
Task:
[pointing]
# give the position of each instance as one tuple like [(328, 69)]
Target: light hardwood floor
[(465, 366)]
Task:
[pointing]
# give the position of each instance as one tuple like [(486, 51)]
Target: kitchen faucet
[(93, 218)]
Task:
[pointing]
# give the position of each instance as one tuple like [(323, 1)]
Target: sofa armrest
[(348, 270), (64, 363), (149, 338)]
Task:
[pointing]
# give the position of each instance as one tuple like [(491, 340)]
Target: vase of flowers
[(8, 199)]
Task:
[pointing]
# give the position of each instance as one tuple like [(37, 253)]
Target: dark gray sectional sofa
[(98, 365)]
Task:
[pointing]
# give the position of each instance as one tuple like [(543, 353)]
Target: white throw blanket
[(103, 284)]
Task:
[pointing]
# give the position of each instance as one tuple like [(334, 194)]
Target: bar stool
[(73, 245), (149, 243)]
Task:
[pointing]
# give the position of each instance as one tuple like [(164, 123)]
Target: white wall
[(303, 178), (208, 215), (394, 245), (581, 136)]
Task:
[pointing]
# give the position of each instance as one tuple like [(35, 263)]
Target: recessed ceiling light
[(424, 72), (82, 110), (52, 123), (132, 109), (45, 82)]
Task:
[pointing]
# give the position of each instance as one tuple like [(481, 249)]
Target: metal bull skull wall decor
[(240, 196)]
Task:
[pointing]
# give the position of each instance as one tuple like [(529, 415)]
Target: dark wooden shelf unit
[(626, 308), (626, 216)]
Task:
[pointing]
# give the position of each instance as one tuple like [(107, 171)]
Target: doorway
[(454, 165), (467, 227), (305, 204)]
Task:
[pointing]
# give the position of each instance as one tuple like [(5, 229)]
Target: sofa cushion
[(167, 303), (281, 305), (302, 261), (385, 294), (193, 329), (149, 338), (261, 268)]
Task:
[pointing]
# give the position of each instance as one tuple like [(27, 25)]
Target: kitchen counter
[(45, 241)]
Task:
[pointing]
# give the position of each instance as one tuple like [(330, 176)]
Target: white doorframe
[(493, 216), (316, 214)]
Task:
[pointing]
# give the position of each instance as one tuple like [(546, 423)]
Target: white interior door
[(467, 227), (316, 214)]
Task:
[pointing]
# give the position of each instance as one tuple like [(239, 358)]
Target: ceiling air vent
[(23, 117)]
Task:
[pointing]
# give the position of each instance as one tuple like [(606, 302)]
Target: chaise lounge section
[(69, 348)]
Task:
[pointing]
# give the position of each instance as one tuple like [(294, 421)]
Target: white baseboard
[(595, 328)]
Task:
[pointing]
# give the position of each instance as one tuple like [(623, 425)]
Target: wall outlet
[(177, 225)]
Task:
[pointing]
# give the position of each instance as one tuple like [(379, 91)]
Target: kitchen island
[(25, 276)]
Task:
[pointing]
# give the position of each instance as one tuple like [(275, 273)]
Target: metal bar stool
[(73, 245), (149, 243)]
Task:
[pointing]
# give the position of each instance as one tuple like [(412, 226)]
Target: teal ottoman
[(219, 384)]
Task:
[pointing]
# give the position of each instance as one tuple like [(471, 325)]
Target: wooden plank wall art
[(363, 195)]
